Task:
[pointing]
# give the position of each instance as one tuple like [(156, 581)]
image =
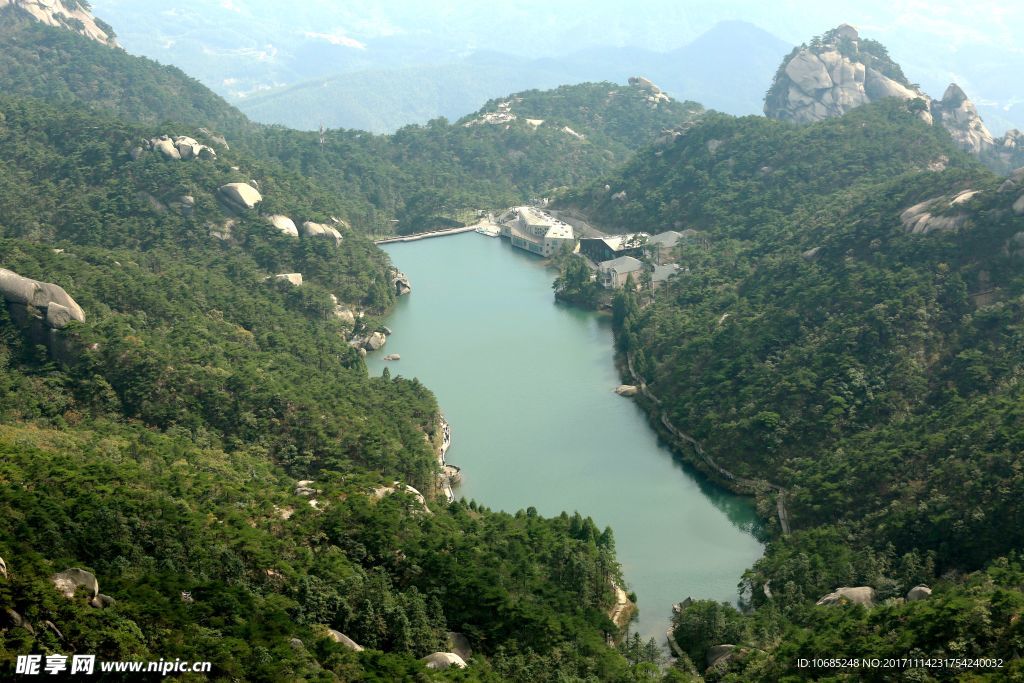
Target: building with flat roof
[(614, 273), (537, 232)]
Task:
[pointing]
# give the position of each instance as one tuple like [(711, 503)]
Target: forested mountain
[(203, 440), (421, 176), (847, 334)]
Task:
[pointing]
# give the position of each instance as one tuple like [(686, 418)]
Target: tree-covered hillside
[(421, 176), (209, 446), (848, 331)]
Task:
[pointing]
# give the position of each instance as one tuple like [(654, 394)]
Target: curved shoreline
[(449, 473)]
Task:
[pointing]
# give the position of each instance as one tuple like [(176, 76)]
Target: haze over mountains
[(378, 66)]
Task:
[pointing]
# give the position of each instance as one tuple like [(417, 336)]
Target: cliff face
[(69, 14), (840, 71), (833, 75)]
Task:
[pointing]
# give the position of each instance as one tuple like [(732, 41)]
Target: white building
[(537, 232)]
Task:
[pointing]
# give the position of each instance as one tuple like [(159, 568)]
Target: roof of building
[(662, 273), (669, 238), (623, 264)]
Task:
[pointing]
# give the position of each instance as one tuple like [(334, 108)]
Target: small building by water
[(613, 274), (538, 232)]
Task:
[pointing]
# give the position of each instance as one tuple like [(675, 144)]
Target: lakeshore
[(528, 384)]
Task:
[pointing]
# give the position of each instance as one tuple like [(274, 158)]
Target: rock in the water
[(400, 282), (919, 593), (241, 195), (375, 341), (719, 654), (442, 660), (284, 224), (310, 229), (860, 595), (69, 581), (392, 357), (22, 290), (339, 637), (627, 390), (459, 644)]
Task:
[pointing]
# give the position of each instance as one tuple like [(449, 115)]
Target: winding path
[(740, 484)]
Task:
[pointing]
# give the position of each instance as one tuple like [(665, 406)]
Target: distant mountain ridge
[(724, 69)]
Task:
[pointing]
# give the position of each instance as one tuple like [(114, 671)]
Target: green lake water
[(528, 387)]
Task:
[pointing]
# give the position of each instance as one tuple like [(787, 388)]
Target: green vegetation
[(160, 443), (818, 344)]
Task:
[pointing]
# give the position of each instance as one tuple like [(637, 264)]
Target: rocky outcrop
[(284, 225), (12, 619), (67, 14), (375, 342), (919, 593), (860, 595), (652, 93), (935, 215), (177, 148), (3, 568), (69, 581), (839, 72), (719, 654), (439, 661), (459, 644), (342, 312), (291, 278), (345, 641), (960, 117), (1018, 206), (241, 196), (832, 76), (102, 601), (60, 308), (400, 283), (311, 229), (382, 491), (627, 390)]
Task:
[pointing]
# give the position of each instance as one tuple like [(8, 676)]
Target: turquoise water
[(528, 386)]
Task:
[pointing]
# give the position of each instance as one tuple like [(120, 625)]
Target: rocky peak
[(832, 75), (840, 71), (960, 117), (73, 15)]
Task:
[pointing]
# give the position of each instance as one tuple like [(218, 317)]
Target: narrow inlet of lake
[(528, 387)]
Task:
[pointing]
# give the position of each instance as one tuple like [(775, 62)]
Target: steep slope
[(840, 71), (54, 63), (207, 444), (849, 331)]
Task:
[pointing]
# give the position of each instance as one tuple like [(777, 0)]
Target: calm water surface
[(527, 385)]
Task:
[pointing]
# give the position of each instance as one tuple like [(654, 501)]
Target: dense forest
[(831, 343), (209, 446), (847, 336)]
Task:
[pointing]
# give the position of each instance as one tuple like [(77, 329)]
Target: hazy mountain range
[(378, 66)]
